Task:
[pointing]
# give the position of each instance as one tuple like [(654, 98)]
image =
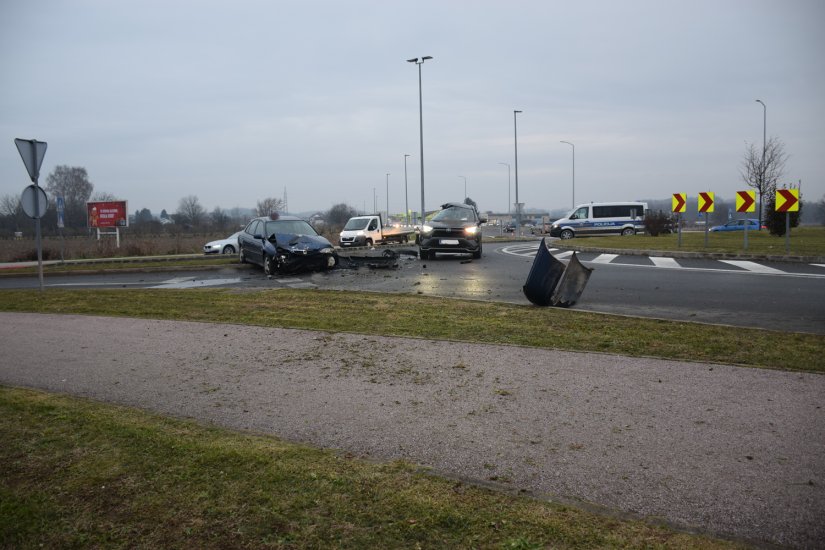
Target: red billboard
[(107, 214)]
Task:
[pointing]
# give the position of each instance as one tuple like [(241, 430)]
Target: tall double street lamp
[(465, 186), (764, 147), (420, 62), (388, 197), (574, 171), (515, 141), (406, 199)]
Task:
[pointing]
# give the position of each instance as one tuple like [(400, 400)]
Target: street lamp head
[(426, 57), (413, 60), (516, 111)]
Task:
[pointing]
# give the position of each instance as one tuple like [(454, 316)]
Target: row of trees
[(73, 184)]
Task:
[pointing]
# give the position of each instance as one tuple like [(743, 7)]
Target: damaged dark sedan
[(285, 244)]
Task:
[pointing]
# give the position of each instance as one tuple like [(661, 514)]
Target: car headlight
[(472, 230), (327, 250), (555, 226), (426, 229)]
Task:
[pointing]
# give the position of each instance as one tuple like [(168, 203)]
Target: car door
[(252, 242)]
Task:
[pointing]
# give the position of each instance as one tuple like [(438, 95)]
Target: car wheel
[(332, 261), (229, 249), (241, 257), (477, 253), (424, 255), (270, 266), (369, 242), (627, 231), (566, 234)]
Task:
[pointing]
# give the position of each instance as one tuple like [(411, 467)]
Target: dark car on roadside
[(285, 244), (454, 228)]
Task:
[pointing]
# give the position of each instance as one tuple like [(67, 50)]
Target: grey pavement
[(732, 451)]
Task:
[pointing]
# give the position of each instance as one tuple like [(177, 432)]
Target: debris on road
[(550, 282)]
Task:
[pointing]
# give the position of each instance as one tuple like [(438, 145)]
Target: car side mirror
[(257, 236), (482, 220)]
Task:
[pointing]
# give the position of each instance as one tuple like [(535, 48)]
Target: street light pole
[(421, 127), (374, 203), (574, 171), (388, 198), (465, 186), (764, 147), (515, 141), (406, 198)]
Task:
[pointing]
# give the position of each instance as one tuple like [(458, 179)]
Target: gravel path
[(734, 451)]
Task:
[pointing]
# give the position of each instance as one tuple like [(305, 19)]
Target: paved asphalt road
[(733, 451), (772, 295)]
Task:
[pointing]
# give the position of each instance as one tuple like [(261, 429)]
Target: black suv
[(454, 228)]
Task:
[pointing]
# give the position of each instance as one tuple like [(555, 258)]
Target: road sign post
[(787, 201), (32, 153), (706, 206), (678, 205), (746, 202)]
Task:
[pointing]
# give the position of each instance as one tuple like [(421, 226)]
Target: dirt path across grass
[(733, 451)]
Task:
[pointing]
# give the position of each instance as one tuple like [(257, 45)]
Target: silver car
[(228, 245)]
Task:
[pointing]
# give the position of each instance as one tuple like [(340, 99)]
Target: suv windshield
[(456, 214)]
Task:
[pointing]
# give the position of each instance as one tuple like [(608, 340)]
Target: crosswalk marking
[(664, 262), (604, 258), (752, 266)]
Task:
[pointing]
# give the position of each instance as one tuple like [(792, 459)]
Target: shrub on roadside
[(657, 222)]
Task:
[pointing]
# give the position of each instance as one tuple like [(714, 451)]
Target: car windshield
[(356, 224), (455, 213), (296, 227)]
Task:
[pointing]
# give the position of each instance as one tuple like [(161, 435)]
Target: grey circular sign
[(32, 194)]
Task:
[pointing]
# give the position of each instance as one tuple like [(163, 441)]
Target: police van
[(601, 218)]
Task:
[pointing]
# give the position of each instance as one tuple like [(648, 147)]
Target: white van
[(601, 218)]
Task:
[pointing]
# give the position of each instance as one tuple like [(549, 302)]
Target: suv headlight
[(472, 230), (427, 229)]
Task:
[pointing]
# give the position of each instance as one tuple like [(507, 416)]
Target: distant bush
[(657, 222)]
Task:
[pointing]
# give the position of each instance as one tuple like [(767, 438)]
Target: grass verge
[(441, 319), (82, 474), (123, 265), (804, 241)]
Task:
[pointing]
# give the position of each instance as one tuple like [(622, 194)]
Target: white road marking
[(752, 266), (563, 255), (604, 258), (818, 265), (664, 262), (192, 283)]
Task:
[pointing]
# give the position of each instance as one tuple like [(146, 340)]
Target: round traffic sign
[(31, 195)]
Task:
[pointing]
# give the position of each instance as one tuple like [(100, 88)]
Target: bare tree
[(337, 216), (72, 183), (269, 205), (190, 211), (10, 205), (763, 169)]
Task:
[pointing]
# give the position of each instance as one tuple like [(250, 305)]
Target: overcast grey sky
[(237, 101)]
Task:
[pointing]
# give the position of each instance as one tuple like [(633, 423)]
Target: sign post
[(32, 153), (746, 202), (787, 201), (706, 206), (678, 206)]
